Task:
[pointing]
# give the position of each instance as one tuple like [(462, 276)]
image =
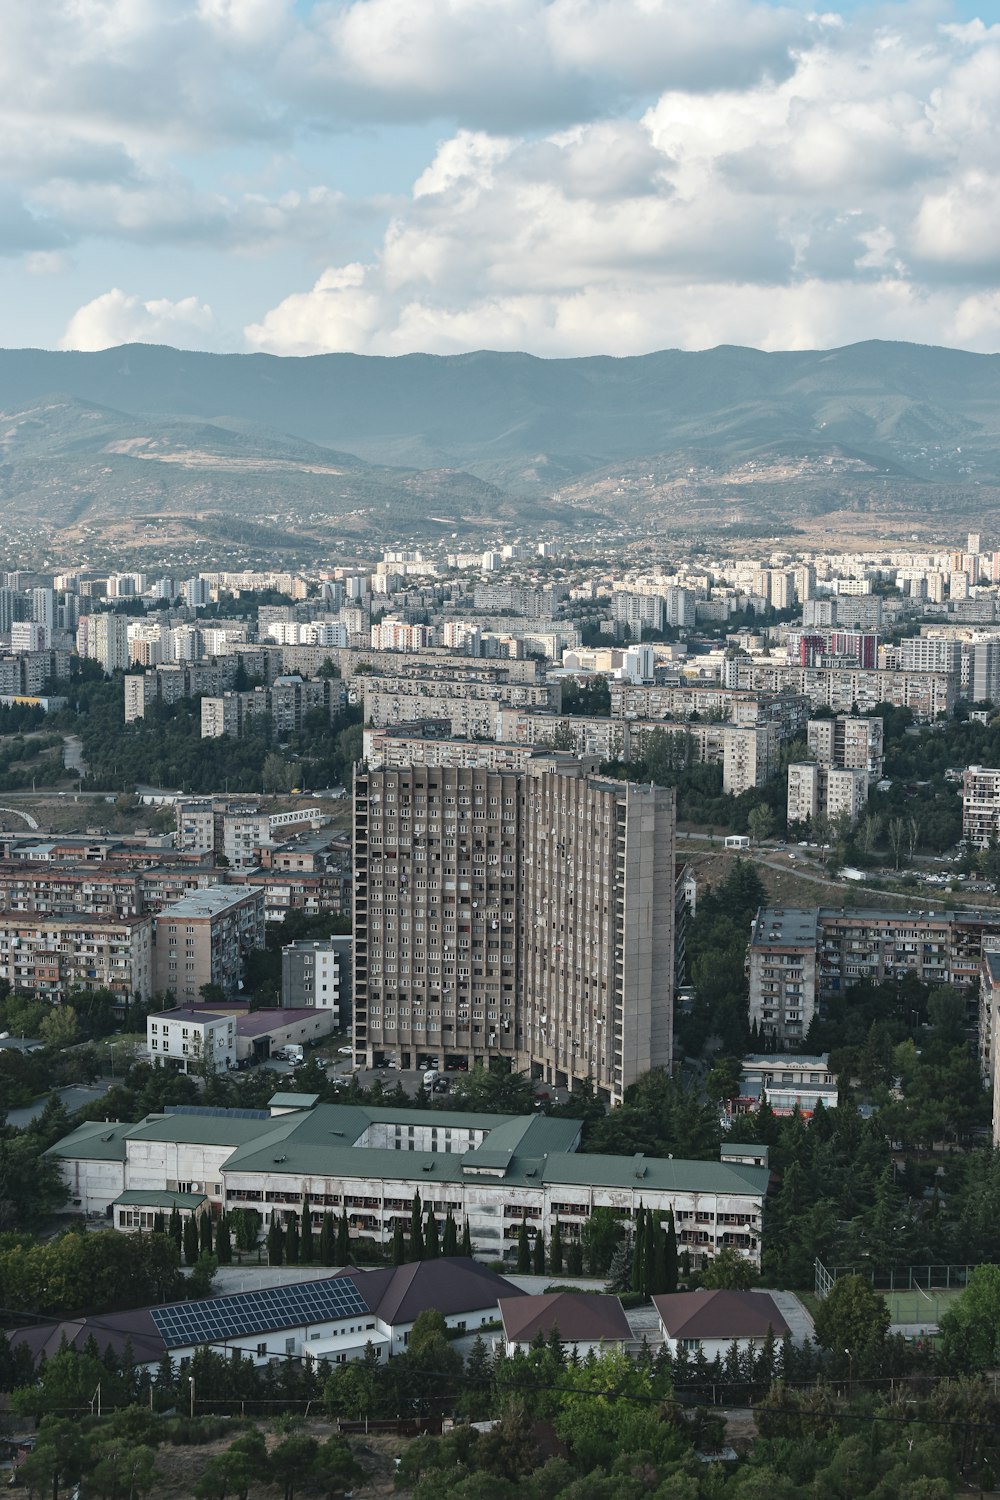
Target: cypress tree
[(555, 1251), (574, 1259), (159, 1224), (205, 1234), (275, 1242), (637, 1249), (449, 1240), (523, 1249), (416, 1230), (190, 1240), (223, 1243), (466, 1241), (343, 1239), (398, 1252), (670, 1254), (648, 1253), (292, 1238), (307, 1246), (432, 1242), (327, 1241), (538, 1255), (174, 1228), (658, 1279)]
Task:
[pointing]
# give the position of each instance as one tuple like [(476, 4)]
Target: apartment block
[(524, 916), (318, 974), (816, 790), (639, 611), (800, 955), (597, 923), (926, 694), (53, 956), (204, 939), (286, 703), (854, 744), (749, 757), (980, 806)]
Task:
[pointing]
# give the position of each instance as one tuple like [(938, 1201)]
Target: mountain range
[(731, 436)]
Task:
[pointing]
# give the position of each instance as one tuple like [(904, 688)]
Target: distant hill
[(870, 427)]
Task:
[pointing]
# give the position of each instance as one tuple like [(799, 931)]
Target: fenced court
[(915, 1306), (915, 1294)]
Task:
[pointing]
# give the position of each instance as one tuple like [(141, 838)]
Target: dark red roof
[(580, 1317), (719, 1315)]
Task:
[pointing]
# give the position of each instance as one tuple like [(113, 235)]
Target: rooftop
[(719, 1315), (209, 902), (579, 1317), (786, 927)]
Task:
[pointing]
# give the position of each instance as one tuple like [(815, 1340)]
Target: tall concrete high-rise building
[(526, 916), (108, 634)]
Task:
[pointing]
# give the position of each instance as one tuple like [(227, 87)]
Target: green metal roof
[(137, 1198), (289, 1100), (522, 1150), (94, 1140)]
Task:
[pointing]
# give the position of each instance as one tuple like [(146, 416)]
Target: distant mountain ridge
[(498, 432)]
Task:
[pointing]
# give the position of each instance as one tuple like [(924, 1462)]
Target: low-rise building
[(584, 1324), (707, 1323), (191, 1037), (495, 1171)]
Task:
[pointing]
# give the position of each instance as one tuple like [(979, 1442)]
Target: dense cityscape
[(612, 954)]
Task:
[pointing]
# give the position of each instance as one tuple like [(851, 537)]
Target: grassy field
[(917, 1306)]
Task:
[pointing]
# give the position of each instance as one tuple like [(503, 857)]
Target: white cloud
[(851, 196), (118, 317)]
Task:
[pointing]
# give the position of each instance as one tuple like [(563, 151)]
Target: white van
[(431, 1077)]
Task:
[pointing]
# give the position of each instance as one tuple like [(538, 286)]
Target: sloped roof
[(719, 1315), (116, 1330), (451, 1284), (579, 1317)]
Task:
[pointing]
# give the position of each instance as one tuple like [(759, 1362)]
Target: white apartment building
[(192, 1037), (980, 806)]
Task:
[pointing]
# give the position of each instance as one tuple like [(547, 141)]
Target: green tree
[(555, 1251), (760, 822), (852, 1317), (343, 1252), (432, 1242), (327, 1241), (449, 1238), (334, 1467), (523, 1249), (416, 1229), (191, 1240), (275, 1241), (59, 1029), (292, 1461), (397, 1253), (970, 1328), (538, 1254)]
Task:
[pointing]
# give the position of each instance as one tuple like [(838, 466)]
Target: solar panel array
[(211, 1109), (220, 1318)]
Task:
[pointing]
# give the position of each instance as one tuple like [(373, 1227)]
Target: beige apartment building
[(53, 956), (204, 938), (523, 916), (816, 790), (848, 743)]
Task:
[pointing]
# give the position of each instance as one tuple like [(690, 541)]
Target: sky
[(565, 177)]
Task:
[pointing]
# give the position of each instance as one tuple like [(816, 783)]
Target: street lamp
[(191, 1389), (850, 1375), (111, 1049)]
